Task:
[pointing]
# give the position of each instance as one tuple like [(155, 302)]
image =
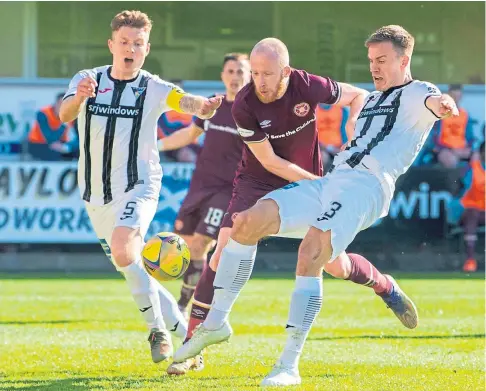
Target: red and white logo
[(104, 90), (301, 109)]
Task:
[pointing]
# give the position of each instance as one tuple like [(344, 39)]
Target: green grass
[(70, 333)]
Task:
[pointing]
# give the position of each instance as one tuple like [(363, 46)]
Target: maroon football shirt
[(289, 123), (218, 161)]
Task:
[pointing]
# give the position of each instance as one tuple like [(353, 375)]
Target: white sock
[(304, 307), (234, 270), (145, 293), (173, 317)]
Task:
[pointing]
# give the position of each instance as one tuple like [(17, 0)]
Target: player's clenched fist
[(86, 88), (447, 107)]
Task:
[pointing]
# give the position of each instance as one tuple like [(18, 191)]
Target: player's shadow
[(118, 382), (29, 275), (457, 336), (32, 322), (75, 384)]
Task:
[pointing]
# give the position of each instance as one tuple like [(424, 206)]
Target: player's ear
[(148, 49), (286, 71), (110, 45), (405, 61)]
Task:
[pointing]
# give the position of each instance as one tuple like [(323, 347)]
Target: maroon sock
[(203, 297), (364, 273)]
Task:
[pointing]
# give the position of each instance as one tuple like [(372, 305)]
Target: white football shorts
[(136, 209), (345, 202)]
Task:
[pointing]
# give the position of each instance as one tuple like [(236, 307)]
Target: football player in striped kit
[(119, 175)]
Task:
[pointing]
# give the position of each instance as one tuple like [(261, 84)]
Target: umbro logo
[(197, 313), (265, 124), (145, 309)]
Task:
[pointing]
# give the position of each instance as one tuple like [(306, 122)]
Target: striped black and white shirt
[(391, 129), (118, 133)]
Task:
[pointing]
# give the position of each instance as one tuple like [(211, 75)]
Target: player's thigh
[(298, 205), (261, 220), (223, 237), (103, 222), (351, 202)]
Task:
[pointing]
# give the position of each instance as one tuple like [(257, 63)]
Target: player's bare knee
[(126, 244), (314, 252), (243, 227), (310, 260), (120, 255), (200, 246)]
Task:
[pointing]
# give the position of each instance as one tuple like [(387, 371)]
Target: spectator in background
[(453, 137), (49, 138), (171, 121), (331, 121), (469, 207)]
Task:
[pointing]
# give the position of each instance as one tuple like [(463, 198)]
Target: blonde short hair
[(400, 38), (136, 19)]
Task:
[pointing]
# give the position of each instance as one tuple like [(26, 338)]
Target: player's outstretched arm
[(442, 106), (265, 154), (71, 106), (199, 106), (180, 138), (353, 97)]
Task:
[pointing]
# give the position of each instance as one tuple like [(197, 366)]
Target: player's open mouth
[(375, 78), (128, 60)]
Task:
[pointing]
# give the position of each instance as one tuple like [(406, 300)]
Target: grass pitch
[(73, 333)]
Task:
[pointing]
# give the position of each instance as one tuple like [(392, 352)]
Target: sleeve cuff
[(256, 141), (427, 107), (68, 95)]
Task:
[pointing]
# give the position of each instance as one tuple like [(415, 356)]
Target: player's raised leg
[(358, 269), (234, 270)]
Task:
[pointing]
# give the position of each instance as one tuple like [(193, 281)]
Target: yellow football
[(166, 256)]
